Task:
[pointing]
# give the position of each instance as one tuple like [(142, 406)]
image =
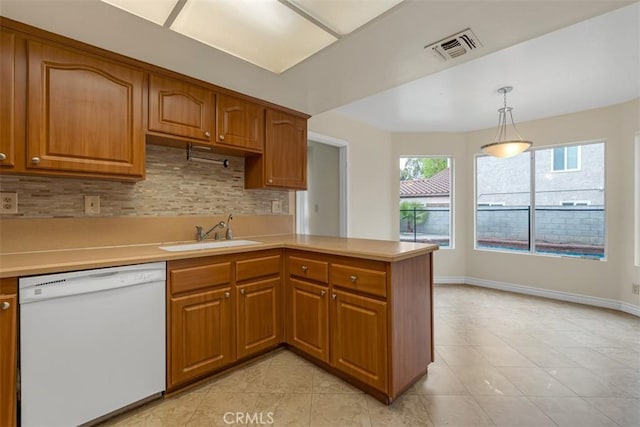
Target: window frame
[(532, 226), (565, 159), (451, 162)]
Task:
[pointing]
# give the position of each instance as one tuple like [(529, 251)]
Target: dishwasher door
[(91, 342)]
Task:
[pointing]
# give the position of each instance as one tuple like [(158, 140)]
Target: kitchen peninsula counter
[(32, 262)]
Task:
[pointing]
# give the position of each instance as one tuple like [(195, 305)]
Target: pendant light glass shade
[(501, 146)]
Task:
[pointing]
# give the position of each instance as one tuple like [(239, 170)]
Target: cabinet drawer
[(257, 267), (309, 269), (360, 279), (198, 277)]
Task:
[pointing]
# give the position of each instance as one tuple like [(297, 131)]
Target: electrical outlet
[(9, 203), (276, 206), (635, 288), (91, 205)]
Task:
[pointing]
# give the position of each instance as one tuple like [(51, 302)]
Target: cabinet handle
[(2, 156), (221, 137), (334, 296), (5, 305), (322, 293), (207, 133), (353, 279), (241, 291), (227, 294), (270, 180), (304, 268), (35, 160)]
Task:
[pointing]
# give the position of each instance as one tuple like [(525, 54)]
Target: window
[(566, 159), (426, 200), (543, 212)]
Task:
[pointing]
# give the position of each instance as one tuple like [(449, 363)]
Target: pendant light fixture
[(502, 146)]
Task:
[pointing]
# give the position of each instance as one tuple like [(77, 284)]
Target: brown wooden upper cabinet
[(84, 114), (8, 123), (181, 109), (284, 162), (240, 124)]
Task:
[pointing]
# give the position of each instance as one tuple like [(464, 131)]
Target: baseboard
[(545, 293)]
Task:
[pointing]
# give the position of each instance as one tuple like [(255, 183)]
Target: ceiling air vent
[(456, 45)]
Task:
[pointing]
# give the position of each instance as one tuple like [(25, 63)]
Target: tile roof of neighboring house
[(437, 185)]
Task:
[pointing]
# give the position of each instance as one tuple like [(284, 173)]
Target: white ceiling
[(592, 64), (383, 54)]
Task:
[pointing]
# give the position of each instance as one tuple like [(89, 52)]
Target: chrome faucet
[(229, 234), (202, 235)]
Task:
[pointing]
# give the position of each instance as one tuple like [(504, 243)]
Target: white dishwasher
[(91, 342)]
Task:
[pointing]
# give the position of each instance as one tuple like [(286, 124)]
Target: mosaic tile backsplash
[(173, 186)]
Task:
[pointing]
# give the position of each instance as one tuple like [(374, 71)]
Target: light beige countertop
[(53, 261)]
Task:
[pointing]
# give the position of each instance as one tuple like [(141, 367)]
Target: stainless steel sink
[(208, 245)]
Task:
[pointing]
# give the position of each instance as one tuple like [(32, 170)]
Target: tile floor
[(501, 359)]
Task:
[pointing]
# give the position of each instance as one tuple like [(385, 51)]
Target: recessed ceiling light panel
[(153, 10), (345, 16), (263, 32)]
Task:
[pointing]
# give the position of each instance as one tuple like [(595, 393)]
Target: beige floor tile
[(546, 357), (589, 358), (288, 379), (585, 383), (461, 355), (288, 358), (485, 380), (249, 378), (503, 356), (439, 380), (455, 411), (626, 379), (535, 382), (572, 412), (324, 382), (285, 409), (631, 359), (344, 410), (513, 411), (625, 412), (408, 410), (221, 402)]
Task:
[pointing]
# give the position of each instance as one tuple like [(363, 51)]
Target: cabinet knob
[(207, 133), (35, 160), (322, 293), (270, 180), (227, 294), (334, 296), (241, 291), (2, 156), (5, 305), (304, 268), (221, 137), (353, 279)]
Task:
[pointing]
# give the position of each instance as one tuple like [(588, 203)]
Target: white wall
[(374, 192), (371, 201)]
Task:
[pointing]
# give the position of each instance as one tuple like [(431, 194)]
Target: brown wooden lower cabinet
[(201, 335), (8, 350), (259, 325), (309, 318), (359, 338)]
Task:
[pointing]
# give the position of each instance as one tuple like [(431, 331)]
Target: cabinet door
[(8, 328), (309, 330), (285, 151), (179, 108), (239, 123), (84, 114), (359, 338), (201, 334), (9, 91), (259, 324)]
